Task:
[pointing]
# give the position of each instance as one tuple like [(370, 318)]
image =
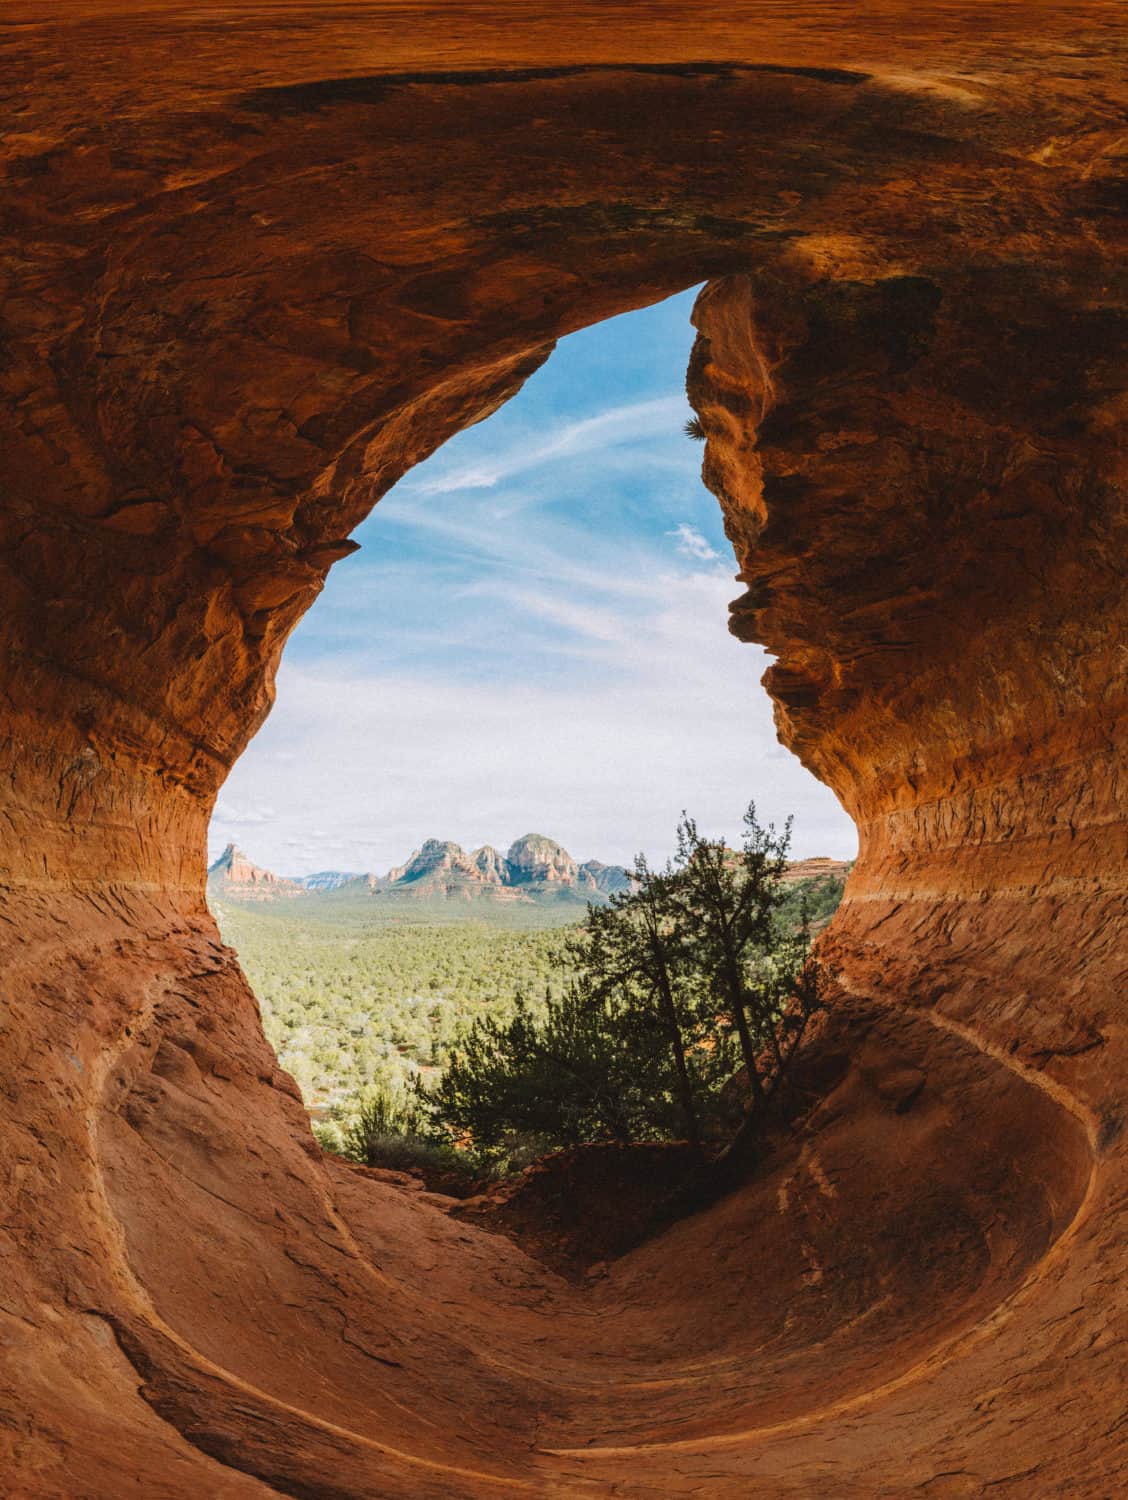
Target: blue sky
[(532, 637)]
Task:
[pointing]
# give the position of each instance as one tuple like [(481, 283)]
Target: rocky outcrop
[(235, 878), (535, 860), (536, 867), (490, 865), (819, 868), (262, 260), (436, 866)]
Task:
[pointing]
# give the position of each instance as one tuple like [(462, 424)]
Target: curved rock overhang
[(260, 264)]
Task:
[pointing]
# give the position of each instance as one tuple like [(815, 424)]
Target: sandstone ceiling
[(259, 260)]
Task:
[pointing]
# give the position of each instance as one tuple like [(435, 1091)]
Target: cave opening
[(215, 366), (799, 1233), (532, 635)]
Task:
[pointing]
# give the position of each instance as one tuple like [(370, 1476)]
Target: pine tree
[(563, 1079)]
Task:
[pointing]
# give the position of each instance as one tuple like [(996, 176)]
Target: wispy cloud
[(236, 816), (533, 636), (674, 718), (692, 544), (619, 424)]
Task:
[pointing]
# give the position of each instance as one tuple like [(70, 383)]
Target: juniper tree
[(727, 903), (562, 1078), (640, 1043), (637, 957)]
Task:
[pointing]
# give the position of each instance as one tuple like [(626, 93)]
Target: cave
[(260, 263)]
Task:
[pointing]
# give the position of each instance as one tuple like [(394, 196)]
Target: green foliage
[(554, 1079), (814, 901), (638, 957), (382, 1127), (694, 429), (359, 1000), (728, 903), (350, 1002), (381, 1113), (679, 982)]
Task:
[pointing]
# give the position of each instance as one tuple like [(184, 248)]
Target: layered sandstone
[(260, 261), (817, 868)]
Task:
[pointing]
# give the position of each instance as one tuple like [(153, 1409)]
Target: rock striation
[(261, 260), (437, 865), (535, 859), (818, 868), (490, 865)]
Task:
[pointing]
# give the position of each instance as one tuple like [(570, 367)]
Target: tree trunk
[(684, 1088), (747, 1049), (740, 1018)]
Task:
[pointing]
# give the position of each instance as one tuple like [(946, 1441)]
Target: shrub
[(382, 1127), (698, 968)]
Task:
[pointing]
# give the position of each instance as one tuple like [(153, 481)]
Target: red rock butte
[(261, 259)]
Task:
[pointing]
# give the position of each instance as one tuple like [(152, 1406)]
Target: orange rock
[(262, 260)]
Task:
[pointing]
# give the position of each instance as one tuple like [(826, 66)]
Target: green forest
[(351, 999), (355, 997)]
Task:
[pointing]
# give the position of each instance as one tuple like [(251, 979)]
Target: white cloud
[(585, 693), (246, 816), (372, 762), (692, 544), (576, 617), (619, 424)]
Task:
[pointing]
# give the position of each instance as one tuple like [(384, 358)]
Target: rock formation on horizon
[(534, 859), (610, 879), (534, 867), (326, 880), (234, 876)]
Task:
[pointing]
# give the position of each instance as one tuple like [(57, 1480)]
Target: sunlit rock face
[(437, 862), (256, 274), (958, 715), (534, 858), (233, 875), (490, 865)]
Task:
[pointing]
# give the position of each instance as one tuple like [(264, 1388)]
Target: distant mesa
[(325, 880), (819, 868), (235, 875), (610, 879), (536, 869)]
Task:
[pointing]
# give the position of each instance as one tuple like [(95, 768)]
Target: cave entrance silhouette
[(288, 281)]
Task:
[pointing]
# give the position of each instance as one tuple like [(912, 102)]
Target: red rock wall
[(244, 297), (923, 510)]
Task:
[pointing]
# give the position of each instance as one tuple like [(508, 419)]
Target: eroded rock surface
[(259, 262)]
